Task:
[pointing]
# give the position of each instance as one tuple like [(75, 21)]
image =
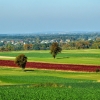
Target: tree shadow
[(62, 57), (28, 70)]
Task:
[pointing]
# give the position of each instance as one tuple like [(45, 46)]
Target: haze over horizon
[(29, 16)]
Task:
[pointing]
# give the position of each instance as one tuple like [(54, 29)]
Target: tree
[(21, 61), (55, 49), (28, 46), (2, 49)]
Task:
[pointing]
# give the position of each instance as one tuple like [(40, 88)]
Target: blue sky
[(29, 16)]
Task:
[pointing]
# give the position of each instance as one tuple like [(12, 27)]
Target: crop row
[(72, 67), (40, 93)]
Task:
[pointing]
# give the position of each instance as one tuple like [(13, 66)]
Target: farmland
[(64, 67), (84, 56), (52, 84), (48, 84)]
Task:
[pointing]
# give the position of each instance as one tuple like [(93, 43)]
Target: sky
[(29, 16)]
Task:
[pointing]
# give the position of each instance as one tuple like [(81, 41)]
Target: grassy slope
[(90, 56)]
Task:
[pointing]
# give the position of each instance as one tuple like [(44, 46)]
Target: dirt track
[(6, 57)]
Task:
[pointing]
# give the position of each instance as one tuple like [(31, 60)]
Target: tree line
[(79, 44), (44, 41)]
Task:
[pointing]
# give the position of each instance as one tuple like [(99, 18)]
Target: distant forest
[(67, 41)]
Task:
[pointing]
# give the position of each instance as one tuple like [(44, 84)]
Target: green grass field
[(16, 84), (33, 84), (86, 56)]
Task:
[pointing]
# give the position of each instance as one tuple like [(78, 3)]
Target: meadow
[(30, 84), (84, 56), (36, 84)]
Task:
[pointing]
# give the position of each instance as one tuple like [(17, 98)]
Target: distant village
[(10, 42)]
